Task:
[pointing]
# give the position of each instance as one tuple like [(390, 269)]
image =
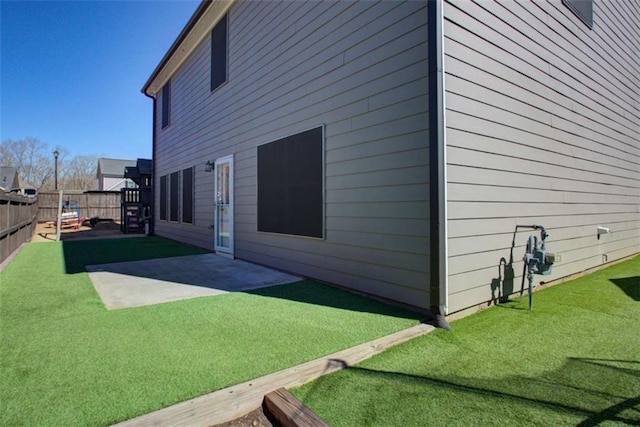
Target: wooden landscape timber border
[(92, 204), (232, 402), (289, 411), (17, 222)]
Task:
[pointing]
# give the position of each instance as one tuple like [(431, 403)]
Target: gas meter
[(536, 259)]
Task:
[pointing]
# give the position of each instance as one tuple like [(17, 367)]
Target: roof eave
[(201, 22)]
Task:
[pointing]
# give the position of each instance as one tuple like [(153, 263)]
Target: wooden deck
[(232, 402)]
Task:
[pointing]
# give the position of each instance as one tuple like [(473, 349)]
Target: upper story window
[(166, 103), (219, 54), (583, 9)]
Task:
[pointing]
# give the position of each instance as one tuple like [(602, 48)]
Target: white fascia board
[(201, 29)]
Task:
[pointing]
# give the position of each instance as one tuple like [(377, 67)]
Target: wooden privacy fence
[(100, 204), (18, 216)]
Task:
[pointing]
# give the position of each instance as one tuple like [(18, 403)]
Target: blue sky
[(72, 71)]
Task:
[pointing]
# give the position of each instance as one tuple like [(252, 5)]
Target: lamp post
[(55, 181)]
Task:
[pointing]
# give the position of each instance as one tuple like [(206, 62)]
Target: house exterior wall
[(360, 70), (543, 127), (114, 183)]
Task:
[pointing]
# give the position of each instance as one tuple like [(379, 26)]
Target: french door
[(224, 205)]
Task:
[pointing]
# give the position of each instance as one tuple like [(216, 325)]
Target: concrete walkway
[(148, 282)]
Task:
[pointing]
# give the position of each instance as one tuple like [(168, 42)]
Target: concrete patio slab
[(148, 282)]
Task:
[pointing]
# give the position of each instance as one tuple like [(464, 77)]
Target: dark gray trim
[(437, 183), (434, 115), (154, 185)]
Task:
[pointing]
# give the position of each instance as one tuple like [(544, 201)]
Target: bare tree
[(36, 165), (33, 159), (80, 173)]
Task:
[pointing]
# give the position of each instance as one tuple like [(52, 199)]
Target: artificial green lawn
[(66, 360), (573, 360)]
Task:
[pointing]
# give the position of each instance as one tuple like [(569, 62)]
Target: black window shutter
[(187, 195), (173, 194), (219, 54), (163, 197), (290, 175), (166, 103)]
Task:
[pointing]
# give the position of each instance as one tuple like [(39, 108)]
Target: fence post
[(59, 220)]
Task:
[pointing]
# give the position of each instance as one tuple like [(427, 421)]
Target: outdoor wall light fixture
[(208, 167), (603, 230)]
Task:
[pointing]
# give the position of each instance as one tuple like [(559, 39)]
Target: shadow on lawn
[(79, 254), (598, 390), (630, 286), (315, 293)]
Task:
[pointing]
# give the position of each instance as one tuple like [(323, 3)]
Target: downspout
[(153, 165), (438, 289)]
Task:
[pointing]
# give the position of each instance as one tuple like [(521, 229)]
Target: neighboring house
[(393, 147), (110, 174), (8, 178), (25, 189)]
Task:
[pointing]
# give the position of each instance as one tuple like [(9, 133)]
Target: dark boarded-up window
[(290, 172), (187, 195), (219, 54), (173, 197), (583, 9), (163, 197), (166, 102)]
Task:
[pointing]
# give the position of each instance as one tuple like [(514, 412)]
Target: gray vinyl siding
[(359, 69), (543, 127)]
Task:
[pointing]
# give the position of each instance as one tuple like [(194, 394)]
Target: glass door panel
[(224, 205)]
